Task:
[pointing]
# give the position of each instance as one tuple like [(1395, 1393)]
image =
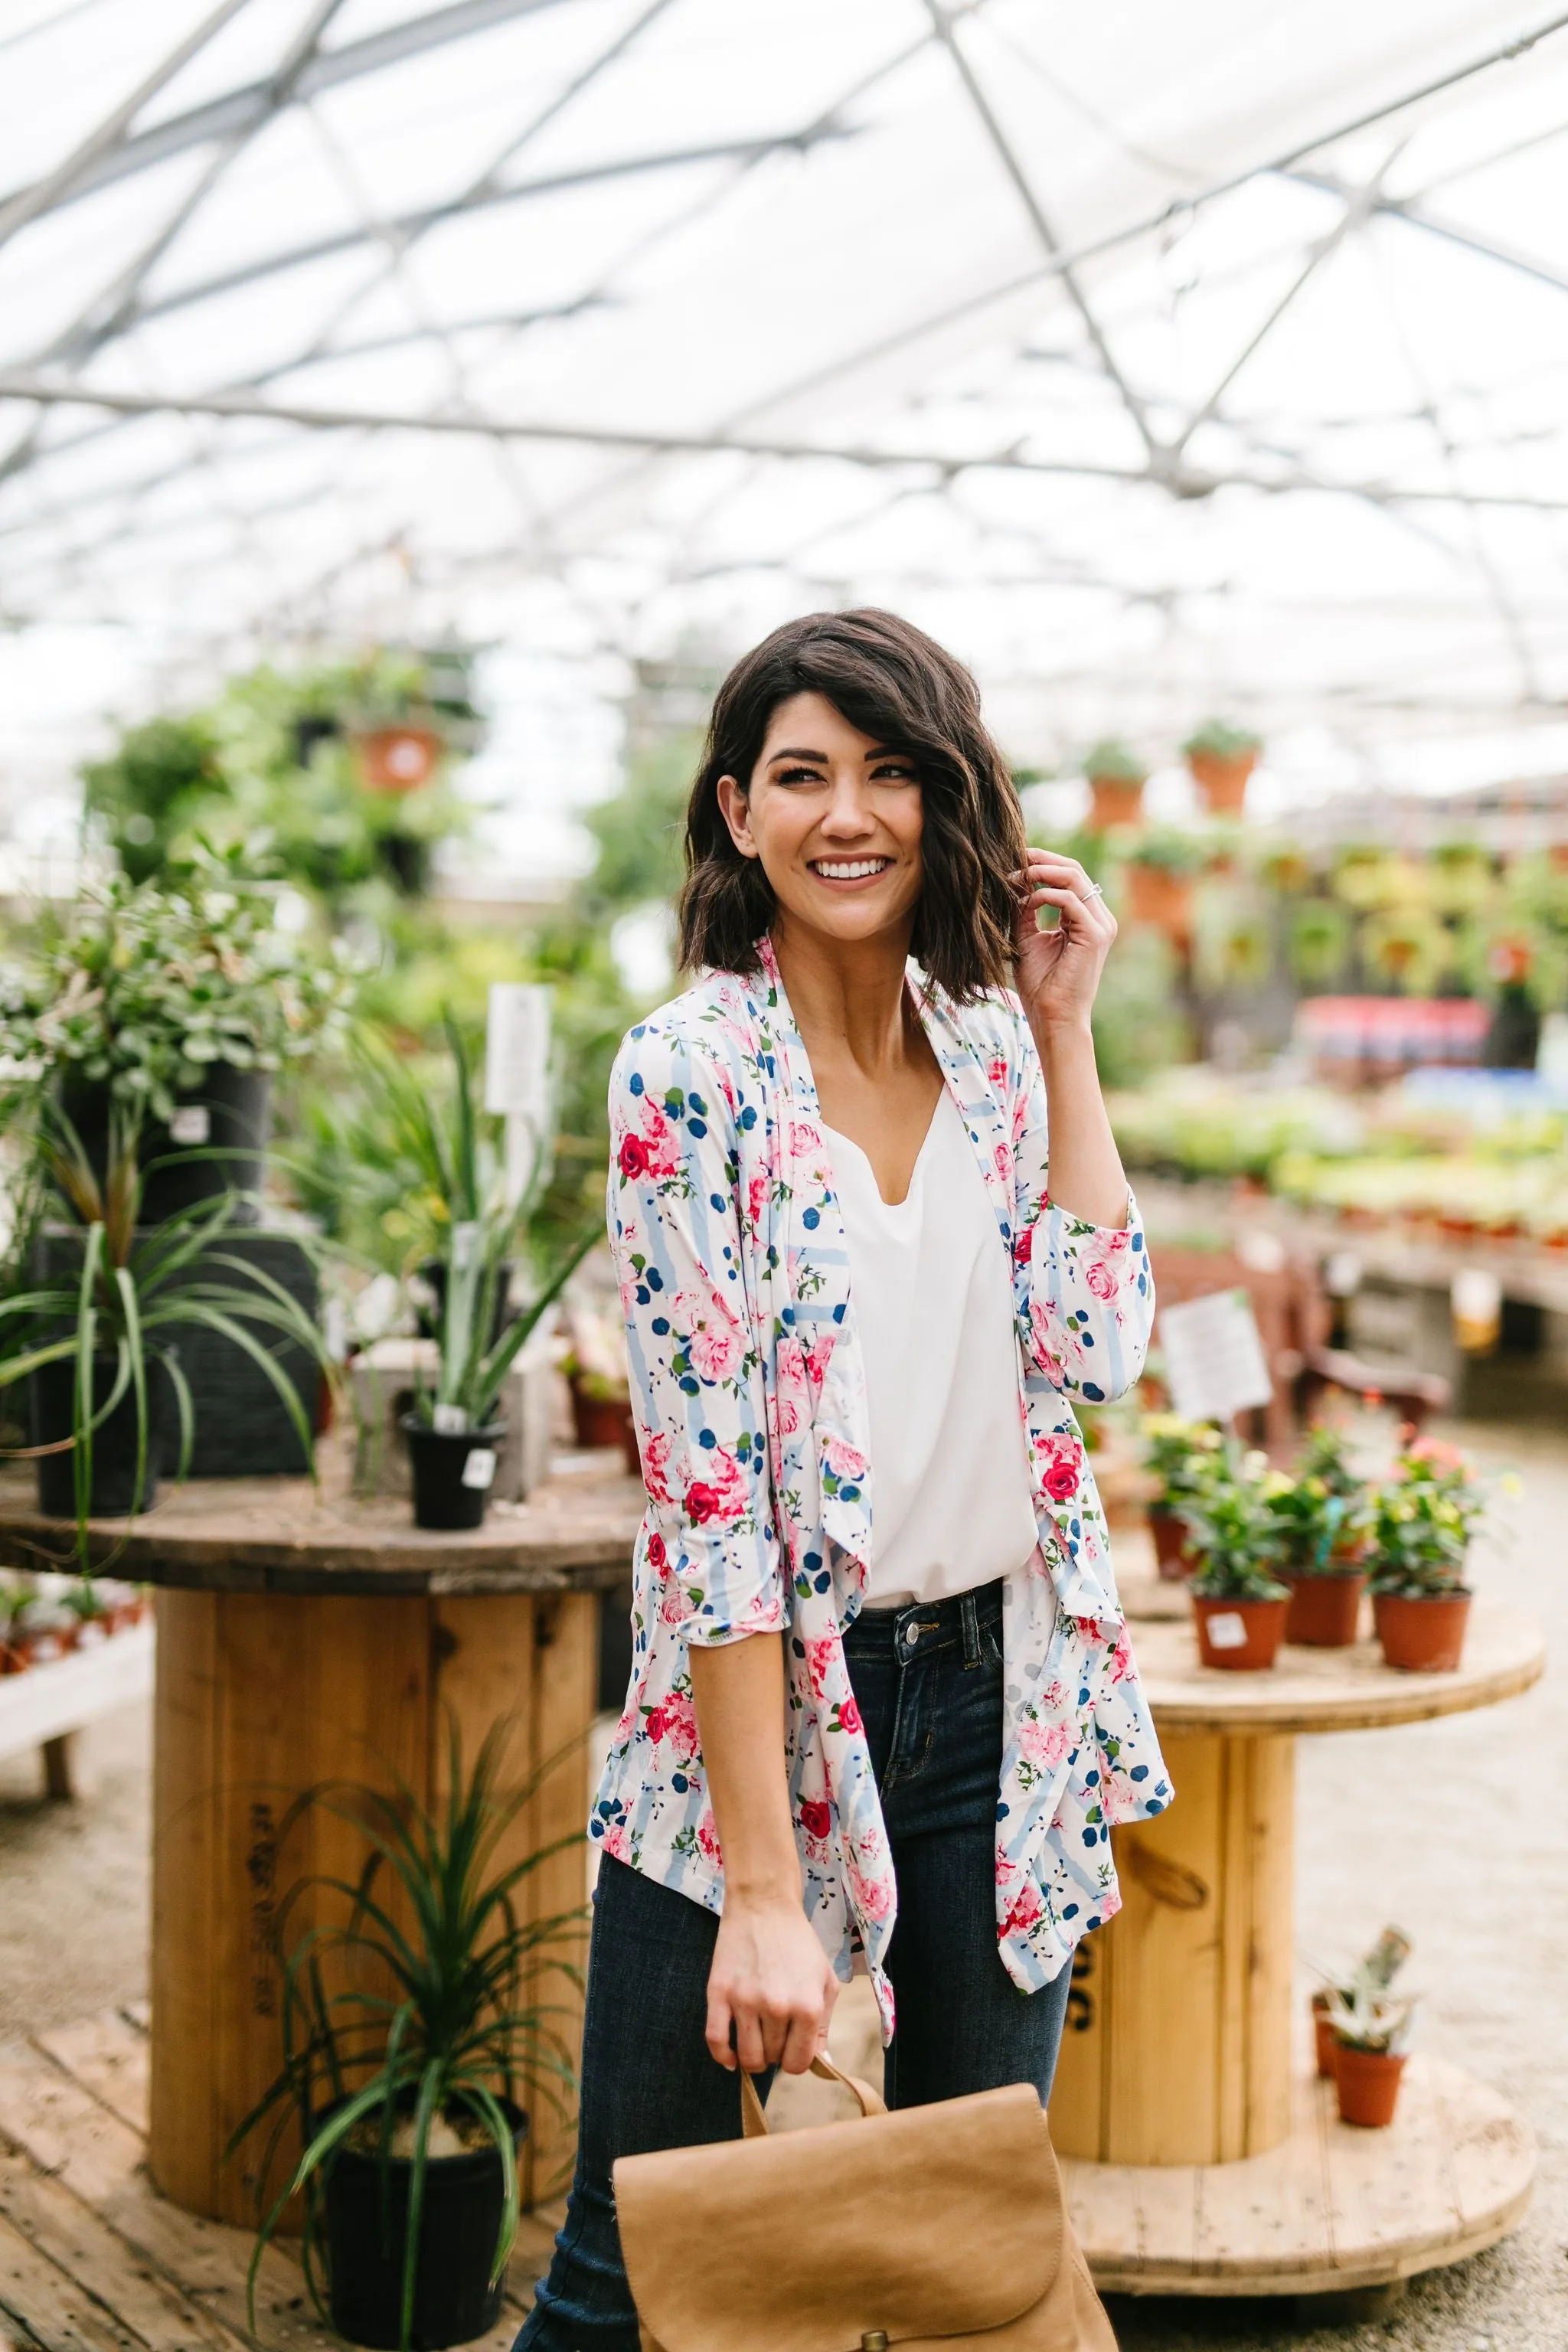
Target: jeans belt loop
[(970, 1618)]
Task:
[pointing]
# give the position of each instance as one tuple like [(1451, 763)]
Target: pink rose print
[(633, 1162), (716, 1344), (792, 1370), (1043, 1744), (819, 1655), (1061, 1465), (1026, 1912), (672, 1609), (805, 1142), (1024, 1245), (872, 1898), (675, 1719), (1121, 1660), (1061, 1480), (1004, 1158), (654, 1447), (659, 1142), (817, 1358), (1103, 1277), (723, 1494), (996, 1072), (849, 1715), (658, 1556), (616, 1842), (815, 1818), (843, 1460), (708, 1839), (756, 1200)]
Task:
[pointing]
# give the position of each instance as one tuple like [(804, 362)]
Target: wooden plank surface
[(1331, 2208), (50, 1700), (1332, 1690), (281, 1535)]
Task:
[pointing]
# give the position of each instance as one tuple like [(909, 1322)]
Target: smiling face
[(834, 819)]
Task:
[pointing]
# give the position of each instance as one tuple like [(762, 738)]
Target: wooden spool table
[(1205, 2156), (302, 1640)]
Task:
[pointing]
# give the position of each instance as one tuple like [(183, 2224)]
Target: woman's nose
[(846, 814)]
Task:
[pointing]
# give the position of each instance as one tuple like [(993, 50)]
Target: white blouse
[(951, 1500)]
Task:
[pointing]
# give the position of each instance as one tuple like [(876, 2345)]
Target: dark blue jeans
[(929, 1684)]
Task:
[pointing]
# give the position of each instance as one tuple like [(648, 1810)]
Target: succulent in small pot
[(1370, 1979), (410, 2028), (1372, 2035), (1116, 779), (1239, 1602), (1162, 868), (1323, 1513), (1424, 1519), (1222, 758), (1174, 1453)]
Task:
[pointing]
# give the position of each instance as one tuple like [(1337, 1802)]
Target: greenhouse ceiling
[(1160, 359)]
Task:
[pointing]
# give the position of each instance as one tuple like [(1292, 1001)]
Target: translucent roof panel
[(1159, 358)]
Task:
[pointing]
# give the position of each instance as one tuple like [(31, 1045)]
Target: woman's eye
[(896, 771), (797, 776)]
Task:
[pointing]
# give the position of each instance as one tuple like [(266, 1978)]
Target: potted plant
[(1174, 1452), (96, 1336), (453, 1435), (595, 1365), (1422, 1521), (411, 2030), (170, 1009), (1222, 758), (1238, 1601), (402, 712), (1372, 2037), (1116, 779), (1323, 1513), (1373, 1975), (1161, 864)]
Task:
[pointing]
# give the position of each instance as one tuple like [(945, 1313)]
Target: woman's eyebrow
[(880, 751)]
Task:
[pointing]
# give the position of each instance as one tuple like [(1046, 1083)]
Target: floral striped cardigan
[(750, 1408)]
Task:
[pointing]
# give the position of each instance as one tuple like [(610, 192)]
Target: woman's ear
[(736, 809)]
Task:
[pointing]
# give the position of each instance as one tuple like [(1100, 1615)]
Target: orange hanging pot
[(397, 759), (1222, 778)]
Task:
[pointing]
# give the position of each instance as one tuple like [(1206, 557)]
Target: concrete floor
[(1456, 1830)]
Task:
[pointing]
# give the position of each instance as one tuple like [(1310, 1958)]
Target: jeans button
[(911, 1635)]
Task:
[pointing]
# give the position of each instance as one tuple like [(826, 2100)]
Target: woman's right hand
[(770, 1981)]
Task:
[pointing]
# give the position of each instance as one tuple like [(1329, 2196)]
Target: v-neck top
[(952, 1506)]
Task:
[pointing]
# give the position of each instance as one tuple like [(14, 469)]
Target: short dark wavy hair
[(897, 686)]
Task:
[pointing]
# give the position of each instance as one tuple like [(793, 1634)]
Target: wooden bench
[(46, 1706)]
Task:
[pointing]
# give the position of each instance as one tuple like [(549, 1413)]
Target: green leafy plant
[(153, 785), (1233, 1533), (1317, 942), (1174, 1452), (1364, 2010), (1424, 1519), (1219, 739), (1324, 1511), (1169, 851), (433, 2027), (1114, 763), (142, 988), (131, 1294)]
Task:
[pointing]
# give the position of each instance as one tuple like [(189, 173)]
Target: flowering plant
[(1422, 1521), (1235, 1535), (1324, 1511), (142, 988)]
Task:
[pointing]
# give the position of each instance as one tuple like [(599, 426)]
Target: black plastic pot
[(113, 1495), (238, 1108), (368, 2237), (447, 1494)]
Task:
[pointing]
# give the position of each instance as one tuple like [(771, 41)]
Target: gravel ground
[(1405, 1825)]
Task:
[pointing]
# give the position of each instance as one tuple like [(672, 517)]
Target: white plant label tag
[(449, 1420), (1227, 1631), (191, 1123), (1214, 1359), (479, 1469)]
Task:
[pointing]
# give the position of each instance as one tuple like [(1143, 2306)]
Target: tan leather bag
[(917, 2231)]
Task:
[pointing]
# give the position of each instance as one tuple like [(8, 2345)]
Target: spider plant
[(114, 1316), (461, 2030)]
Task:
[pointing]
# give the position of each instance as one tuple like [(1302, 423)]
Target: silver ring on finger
[(1093, 891)]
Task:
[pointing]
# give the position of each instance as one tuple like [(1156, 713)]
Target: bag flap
[(932, 2221)]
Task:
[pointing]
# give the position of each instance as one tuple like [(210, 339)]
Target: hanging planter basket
[(1222, 778), (1161, 899), (397, 759)]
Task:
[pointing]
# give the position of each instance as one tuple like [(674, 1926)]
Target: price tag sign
[(1214, 1358), (479, 1469), (517, 1051)]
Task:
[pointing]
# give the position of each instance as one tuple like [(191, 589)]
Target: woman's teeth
[(848, 869)]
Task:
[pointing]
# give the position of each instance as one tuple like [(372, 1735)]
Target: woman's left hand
[(1058, 971)]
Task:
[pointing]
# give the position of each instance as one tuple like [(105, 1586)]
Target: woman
[(882, 1704)]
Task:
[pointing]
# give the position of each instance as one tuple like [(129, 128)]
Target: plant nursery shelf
[(92, 2259), (1201, 2161), (303, 1640)]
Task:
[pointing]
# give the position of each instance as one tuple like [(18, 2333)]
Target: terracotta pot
[(603, 1420), (1325, 1611), (1113, 801), (1161, 899), (1368, 2086), (1222, 777), (1422, 1634), (1241, 1635), (1324, 2042), (1170, 1535), (397, 759)]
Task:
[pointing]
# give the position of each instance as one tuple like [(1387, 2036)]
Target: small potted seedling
[(1239, 1602), (1174, 1453), (1162, 868), (1116, 780), (1422, 1521), (1323, 1513), (1372, 2039), (1376, 1971), (1222, 758)]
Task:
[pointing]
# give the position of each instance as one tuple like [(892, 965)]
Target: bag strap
[(754, 2123)]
